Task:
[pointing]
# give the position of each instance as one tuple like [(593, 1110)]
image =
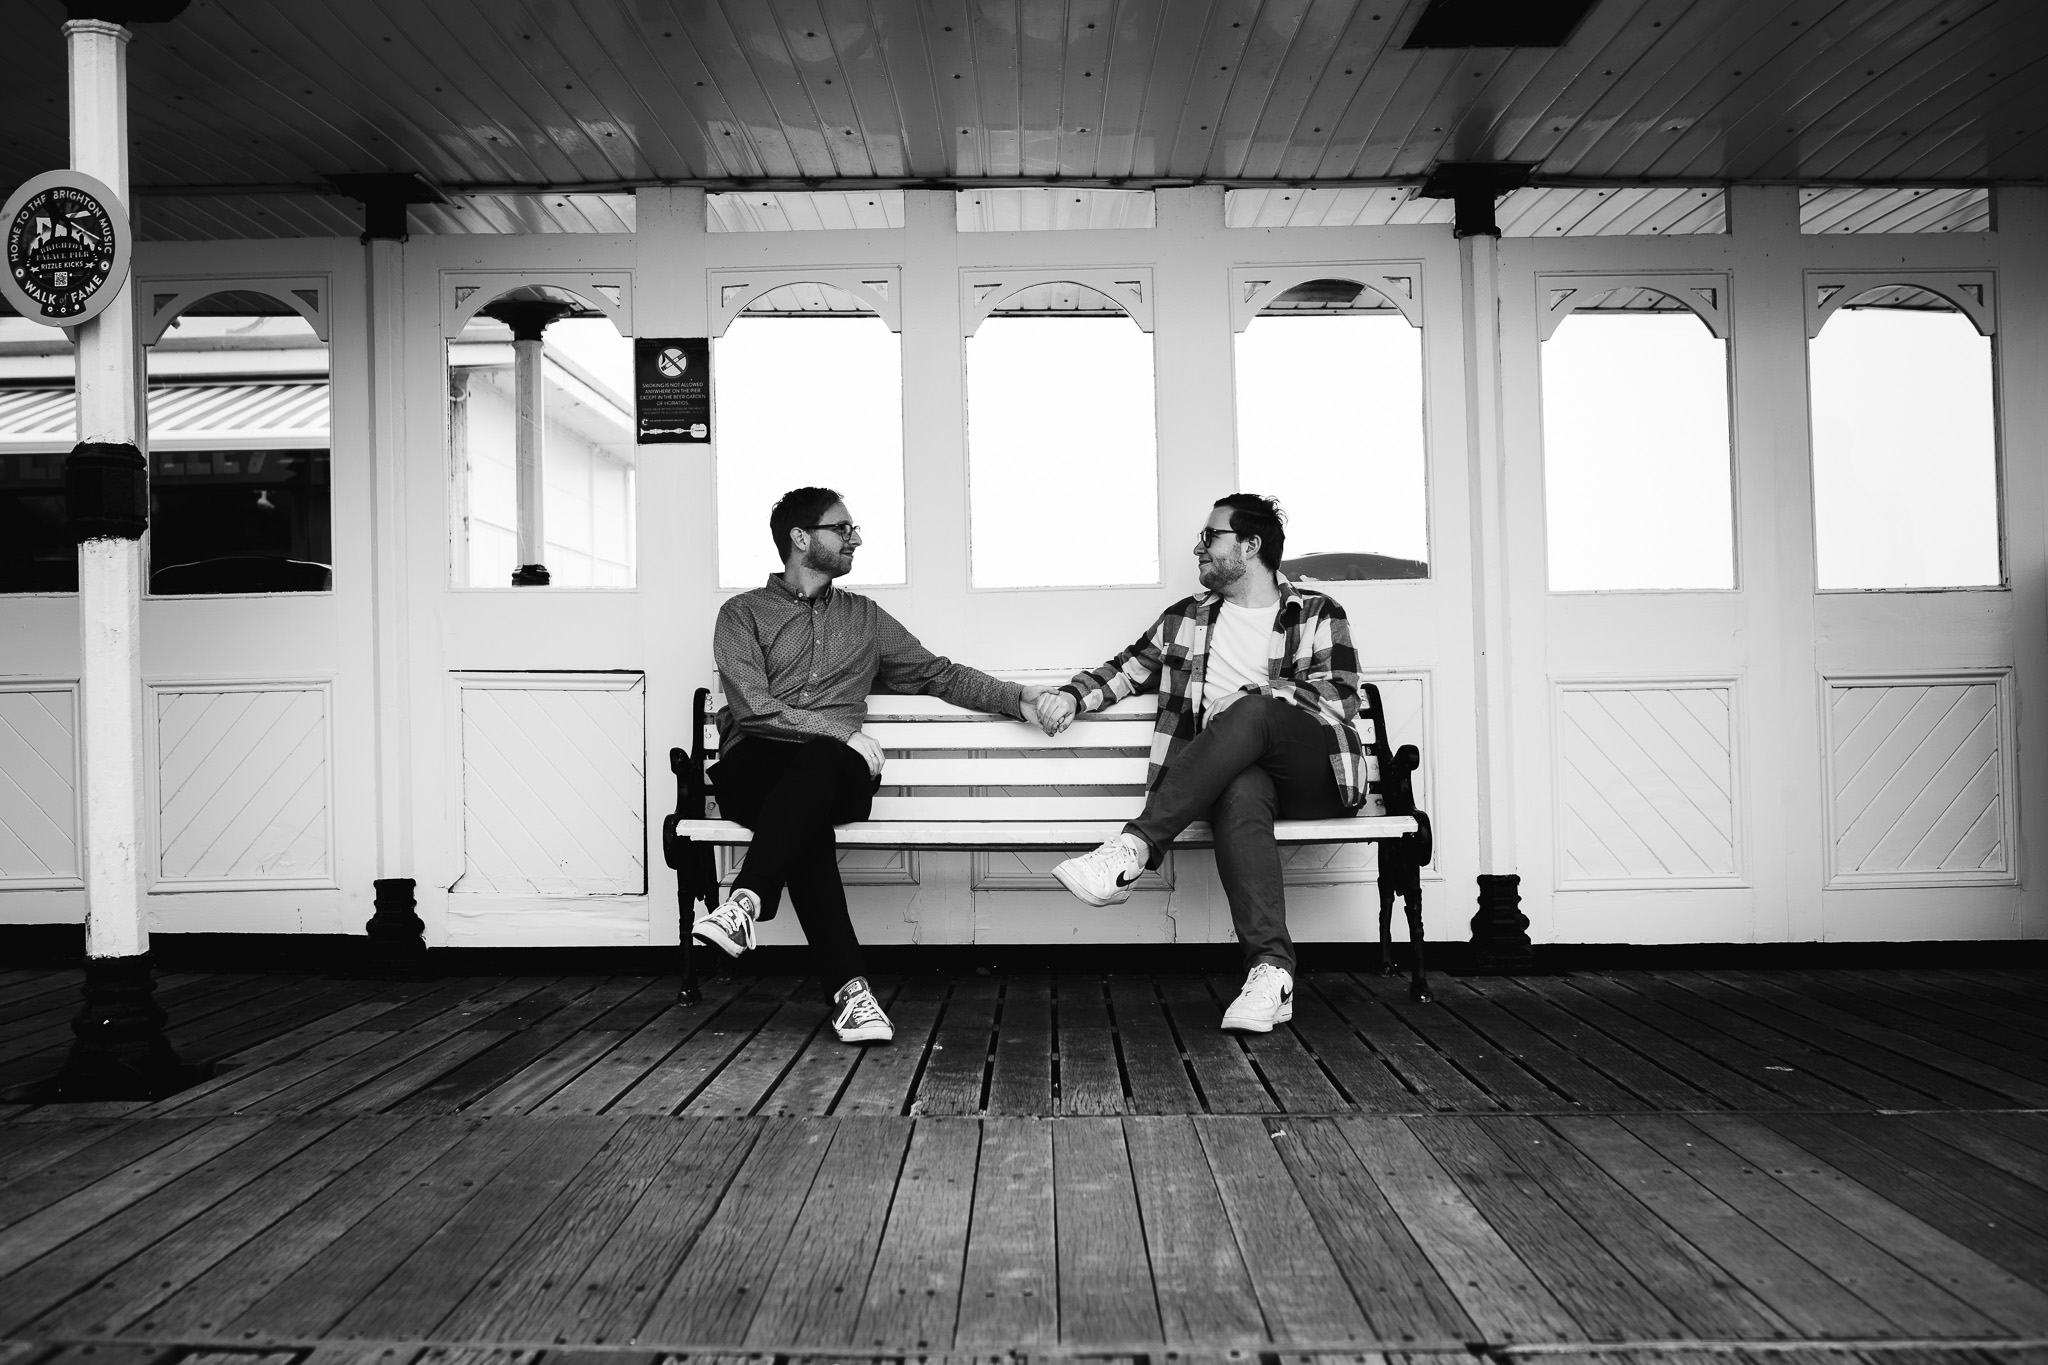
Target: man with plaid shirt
[(1258, 689)]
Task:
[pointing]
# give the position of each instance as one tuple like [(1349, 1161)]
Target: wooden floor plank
[(1706, 1301), (743, 1084), (1105, 1281), (1437, 1082), (2018, 1200), (815, 1294), (1950, 1002), (1366, 1079), (1497, 1291), (1599, 1291), (124, 1293), (1635, 1073), (2013, 1062), (956, 1071), (660, 1033), (1020, 1077), (346, 1271), (1158, 1077), (1222, 1070), (913, 1294), (26, 1148), (1403, 1296), (884, 1077), (1506, 1083), (1009, 1283), (813, 1082), (716, 1290), (609, 1300), (1575, 1082), (91, 1251), (1290, 1071), (1997, 1293), (1813, 1303), (1300, 1289), (1913, 1304), (1625, 1018), (529, 1030), (672, 1081), (567, 1235), (1091, 1080), (1987, 1143), (1204, 1292)]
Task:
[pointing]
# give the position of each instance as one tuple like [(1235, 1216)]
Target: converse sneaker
[(1104, 876), (859, 1018), (1267, 999), (730, 927)]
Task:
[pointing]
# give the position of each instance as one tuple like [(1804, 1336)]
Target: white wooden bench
[(958, 779)]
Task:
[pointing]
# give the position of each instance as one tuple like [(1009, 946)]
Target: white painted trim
[(153, 689), (2008, 798), (181, 292), (464, 293), (1704, 293), (537, 922), (1252, 287), (983, 291), (67, 685), (1830, 290), (1738, 807), (729, 292)]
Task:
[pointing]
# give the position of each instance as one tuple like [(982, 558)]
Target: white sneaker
[(860, 1018), (1267, 999), (730, 927), (1104, 876)]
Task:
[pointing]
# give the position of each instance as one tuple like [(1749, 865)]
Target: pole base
[(1500, 931), (398, 936), (118, 1051), (530, 576)]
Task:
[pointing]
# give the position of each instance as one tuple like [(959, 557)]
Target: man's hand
[(1056, 711), (864, 744), (1027, 705)]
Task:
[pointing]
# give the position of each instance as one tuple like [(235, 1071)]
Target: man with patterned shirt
[(1258, 689), (797, 659)]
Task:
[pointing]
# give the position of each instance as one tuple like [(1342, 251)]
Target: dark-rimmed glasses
[(846, 529), (1206, 537)]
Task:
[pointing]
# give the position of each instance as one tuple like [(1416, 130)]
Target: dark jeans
[(790, 795), (1259, 760)]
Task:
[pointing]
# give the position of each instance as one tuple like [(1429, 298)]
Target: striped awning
[(286, 416)]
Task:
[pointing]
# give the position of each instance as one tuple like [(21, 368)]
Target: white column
[(386, 331), (529, 415), (1479, 284), (109, 568)]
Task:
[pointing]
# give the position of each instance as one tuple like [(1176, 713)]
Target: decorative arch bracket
[(1253, 287), (879, 287), (1704, 295), (164, 300), (1971, 291), (464, 293), (982, 292)]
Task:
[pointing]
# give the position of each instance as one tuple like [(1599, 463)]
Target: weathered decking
[(1643, 1166)]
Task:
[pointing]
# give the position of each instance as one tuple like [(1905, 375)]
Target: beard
[(818, 559), (1218, 574)]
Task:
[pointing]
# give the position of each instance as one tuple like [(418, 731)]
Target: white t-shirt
[(1238, 648)]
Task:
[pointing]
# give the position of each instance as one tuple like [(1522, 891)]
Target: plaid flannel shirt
[(1310, 663)]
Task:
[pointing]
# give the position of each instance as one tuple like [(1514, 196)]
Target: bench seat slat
[(1052, 834), (1008, 734), (985, 808), (1048, 771), (885, 706)]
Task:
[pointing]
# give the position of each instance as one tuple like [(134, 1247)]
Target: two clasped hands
[(1042, 704)]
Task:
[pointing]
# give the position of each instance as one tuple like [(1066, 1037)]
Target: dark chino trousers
[(1260, 760), (790, 794)]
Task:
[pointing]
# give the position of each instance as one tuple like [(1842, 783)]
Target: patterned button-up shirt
[(1310, 663), (800, 668)]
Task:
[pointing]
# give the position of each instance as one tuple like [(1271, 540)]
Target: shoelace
[(1265, 981), (863, 1008)]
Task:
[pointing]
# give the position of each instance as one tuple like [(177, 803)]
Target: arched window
[(807, 379), (1905, 446), (1638, 488), (554, 506), (1329, 420), (1062, 455)]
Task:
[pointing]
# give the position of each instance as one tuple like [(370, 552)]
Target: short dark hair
[(799, 507), (1254, 514)]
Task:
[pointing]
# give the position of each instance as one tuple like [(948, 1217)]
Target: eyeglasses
[(1206, 537), (846, 529)]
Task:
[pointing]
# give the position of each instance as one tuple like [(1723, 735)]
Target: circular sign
[(671, 362), (67, 243)]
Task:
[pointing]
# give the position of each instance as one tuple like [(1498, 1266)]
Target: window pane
[(1329, 420), (39, 422), (804, 402), (1905, 465), (587, 454), (238, 449), (1062, 466), (1635, 453)]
